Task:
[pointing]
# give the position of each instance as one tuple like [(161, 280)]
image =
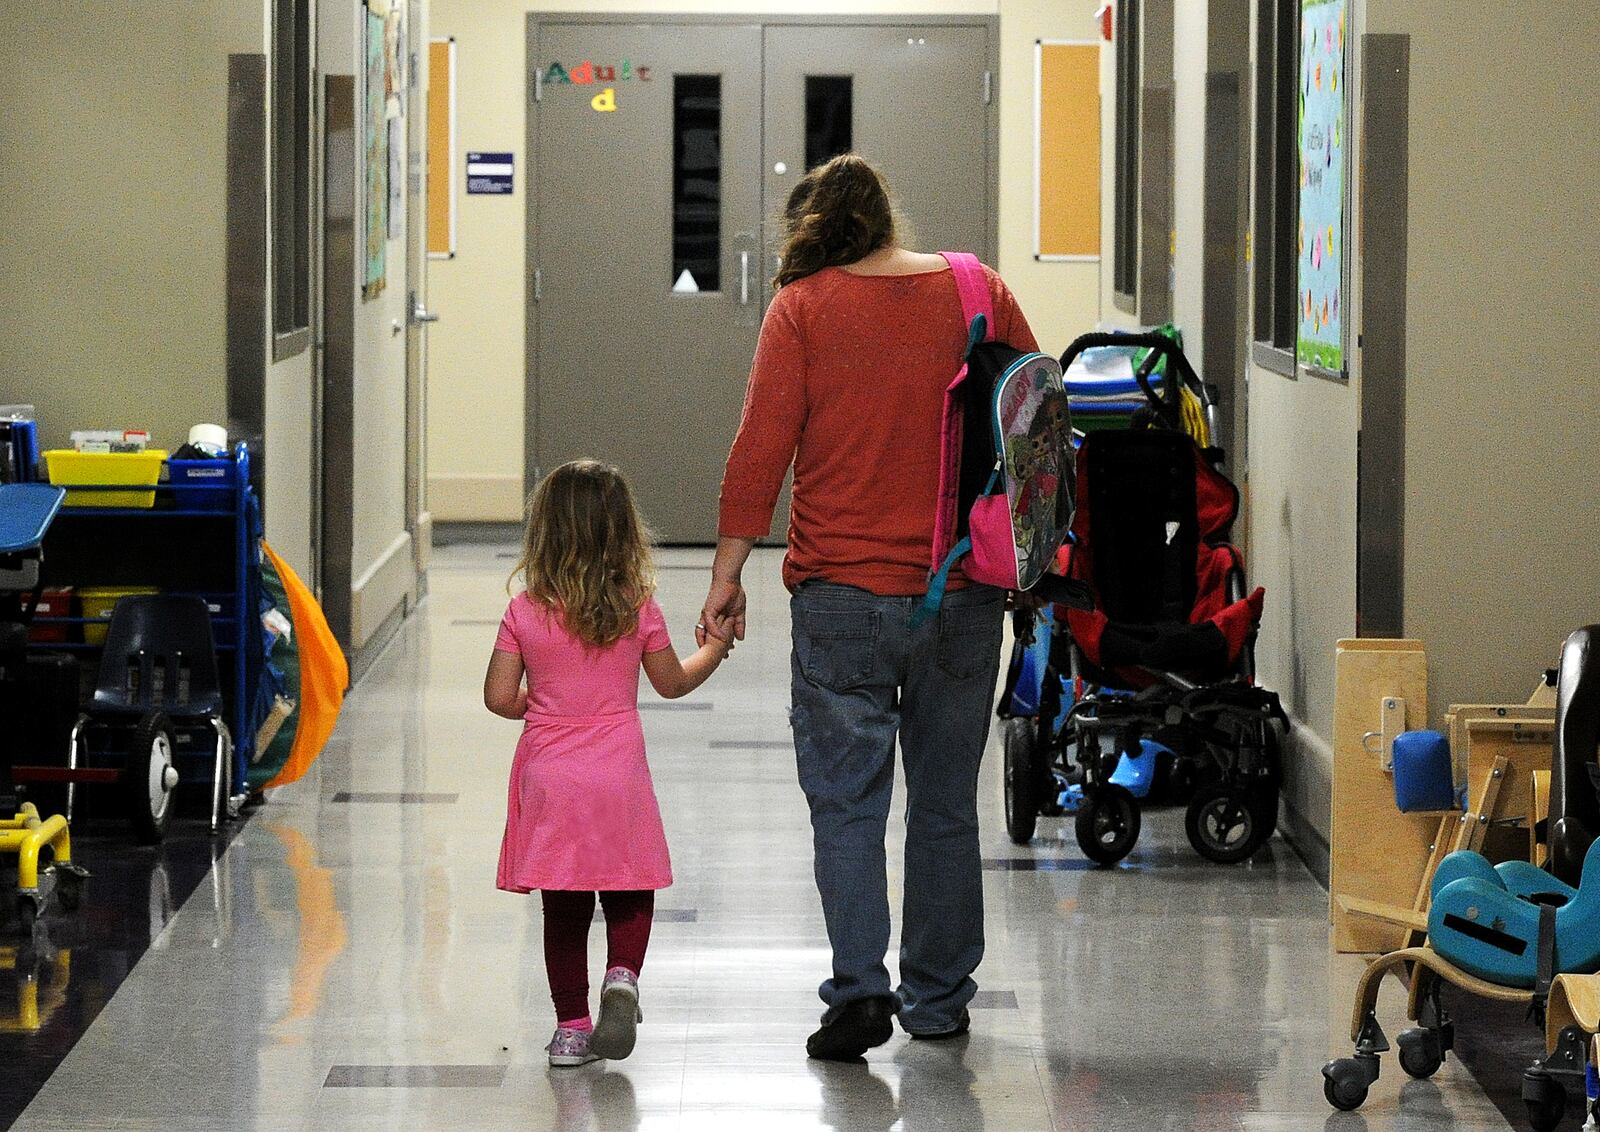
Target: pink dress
[(581, 811)]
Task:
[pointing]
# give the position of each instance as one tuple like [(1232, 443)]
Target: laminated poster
[(376, 162), (1319, 342)]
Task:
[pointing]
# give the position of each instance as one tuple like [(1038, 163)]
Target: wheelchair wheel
[(1223, 823), (1020, 740), (150, 778), (1108, 824)]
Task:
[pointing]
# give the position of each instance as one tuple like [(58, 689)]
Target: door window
[(829, 117), (696, 183)]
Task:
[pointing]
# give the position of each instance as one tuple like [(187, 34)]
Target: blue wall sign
[(489, 173)]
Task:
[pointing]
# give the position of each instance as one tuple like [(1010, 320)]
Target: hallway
[(352, 966)]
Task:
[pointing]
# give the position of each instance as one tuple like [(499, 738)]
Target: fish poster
[(1319, 342)]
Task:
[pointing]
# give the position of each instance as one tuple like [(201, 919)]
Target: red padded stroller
[(1165, 656)]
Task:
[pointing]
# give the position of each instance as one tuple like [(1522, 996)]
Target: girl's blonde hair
[(586, 553)]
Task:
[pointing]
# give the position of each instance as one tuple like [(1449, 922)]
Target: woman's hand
[(723, 614)]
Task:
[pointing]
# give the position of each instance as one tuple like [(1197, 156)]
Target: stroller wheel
[(1107, 824), (1021, 779), (1224, 823)]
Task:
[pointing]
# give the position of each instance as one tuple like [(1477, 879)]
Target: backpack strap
[(937, 586), (973, 288)]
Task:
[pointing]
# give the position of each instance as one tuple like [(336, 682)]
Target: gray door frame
[(537, 21)]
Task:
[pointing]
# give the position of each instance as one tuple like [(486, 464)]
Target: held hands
[(722, 618)]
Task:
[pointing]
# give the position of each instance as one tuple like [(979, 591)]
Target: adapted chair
[(1165, 654), (1504, 931), (26, 511), (157, 683)]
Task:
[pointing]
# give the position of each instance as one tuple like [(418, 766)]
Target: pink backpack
[(1006, 474)]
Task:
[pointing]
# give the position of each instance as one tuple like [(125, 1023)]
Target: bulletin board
[(1319, 341), (375, 135), (441, 148), (1066, 202)]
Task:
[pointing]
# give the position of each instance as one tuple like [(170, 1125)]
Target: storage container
[(99, 601), (66, 467), (57, 601), (195, 484)]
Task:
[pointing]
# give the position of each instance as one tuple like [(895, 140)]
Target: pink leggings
[(567, 916)]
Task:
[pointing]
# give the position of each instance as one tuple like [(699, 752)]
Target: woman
[(855, 353)]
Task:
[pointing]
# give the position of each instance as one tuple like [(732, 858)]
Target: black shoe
[(963, 1024), (859, 1026)]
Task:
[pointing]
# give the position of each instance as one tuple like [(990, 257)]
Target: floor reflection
[(594, 1099), (51, 992)]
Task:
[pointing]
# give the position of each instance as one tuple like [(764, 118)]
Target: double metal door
[(662, 155)]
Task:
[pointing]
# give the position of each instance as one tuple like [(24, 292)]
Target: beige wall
[(112, 188), (1502, 501), (1302, 542), (382, 564), (476, 364)]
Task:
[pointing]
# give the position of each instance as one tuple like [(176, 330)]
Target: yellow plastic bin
[(67, 467), (99, 601)]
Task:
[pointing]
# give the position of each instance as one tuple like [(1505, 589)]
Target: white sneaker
[(615, 1030)]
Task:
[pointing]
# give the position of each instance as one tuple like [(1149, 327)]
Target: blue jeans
[(862, 675)]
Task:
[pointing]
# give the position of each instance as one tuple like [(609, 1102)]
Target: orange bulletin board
[(1067, 150), (441, 148)]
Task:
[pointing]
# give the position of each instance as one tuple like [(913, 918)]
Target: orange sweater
[(848, 385)]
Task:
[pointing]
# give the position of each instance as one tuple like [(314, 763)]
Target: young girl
[(582, 814)]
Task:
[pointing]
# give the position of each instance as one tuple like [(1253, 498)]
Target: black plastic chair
[(158, 669)]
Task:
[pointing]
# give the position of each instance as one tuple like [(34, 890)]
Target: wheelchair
[(1164, 659), (42, 844), (1508, 931)]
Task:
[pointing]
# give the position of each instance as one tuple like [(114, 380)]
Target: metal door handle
[(419, 313), (744, 279)]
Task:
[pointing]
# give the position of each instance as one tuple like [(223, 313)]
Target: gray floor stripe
[(752, 744), (475, 621), (1039, 864), (674, 705), (404, 798), (415, 1077)]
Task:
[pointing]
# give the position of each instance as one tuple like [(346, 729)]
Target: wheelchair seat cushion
[(1485, 920)]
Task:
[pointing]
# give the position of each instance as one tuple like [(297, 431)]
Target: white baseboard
[(388, 583), (454, 498)]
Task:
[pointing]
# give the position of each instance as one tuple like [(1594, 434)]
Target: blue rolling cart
[(199, 539)]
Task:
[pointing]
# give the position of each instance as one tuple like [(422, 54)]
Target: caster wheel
[(150, 778), (1107, 824), (1021, 779), (1420, 1055), (1223, 824), (1546, 1101), (1345, 1084)]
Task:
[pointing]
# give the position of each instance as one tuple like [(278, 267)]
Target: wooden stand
[(1382, 860), (1377, 854)]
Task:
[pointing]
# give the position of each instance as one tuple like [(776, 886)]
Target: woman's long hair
[(586, 553), (837, 214)]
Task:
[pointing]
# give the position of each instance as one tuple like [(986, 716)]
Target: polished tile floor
[(349, 964)]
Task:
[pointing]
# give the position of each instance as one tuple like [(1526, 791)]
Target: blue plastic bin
[(201, 477)]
